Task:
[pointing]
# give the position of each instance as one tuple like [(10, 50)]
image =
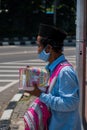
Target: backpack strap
[(55, 74)]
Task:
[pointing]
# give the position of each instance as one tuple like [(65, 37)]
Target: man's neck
[(54, 57)]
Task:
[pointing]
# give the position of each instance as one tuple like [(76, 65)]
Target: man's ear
[(48, 48)]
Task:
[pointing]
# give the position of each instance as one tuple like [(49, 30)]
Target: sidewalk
[(12, 116), (17, 122)]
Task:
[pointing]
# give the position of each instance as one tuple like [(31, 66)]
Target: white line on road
[(16, 53), (8, 67), (25, 61), (6, 80), (71, 61), (8, 75), (10, 71), (69, 48), (37, 64), (8, 85), (73, 56)]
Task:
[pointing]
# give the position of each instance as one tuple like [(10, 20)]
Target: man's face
[(48, 48)]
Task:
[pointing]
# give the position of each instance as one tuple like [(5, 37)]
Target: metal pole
[(0, 4), (81, 31)]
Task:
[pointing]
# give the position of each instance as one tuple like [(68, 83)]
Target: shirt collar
[(51, 66)]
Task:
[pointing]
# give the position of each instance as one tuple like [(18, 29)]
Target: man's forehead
[(39, 38)]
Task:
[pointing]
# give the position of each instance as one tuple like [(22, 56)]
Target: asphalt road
[(14, 57)]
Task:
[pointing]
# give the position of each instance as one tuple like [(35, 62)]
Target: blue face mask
[(44, 56)]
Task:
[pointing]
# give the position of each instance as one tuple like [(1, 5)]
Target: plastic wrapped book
[(30, 75)]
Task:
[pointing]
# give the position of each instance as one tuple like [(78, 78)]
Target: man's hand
[(36, 91)]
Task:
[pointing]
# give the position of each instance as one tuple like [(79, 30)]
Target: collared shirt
[(63, 100)]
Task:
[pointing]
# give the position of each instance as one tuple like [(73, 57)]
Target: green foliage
[(66, 15), (24, 17)]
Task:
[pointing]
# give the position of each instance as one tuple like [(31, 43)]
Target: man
[(63, 100)]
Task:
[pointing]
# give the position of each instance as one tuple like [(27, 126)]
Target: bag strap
[(55, 74)]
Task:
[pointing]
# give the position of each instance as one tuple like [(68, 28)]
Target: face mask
[(44, 56)]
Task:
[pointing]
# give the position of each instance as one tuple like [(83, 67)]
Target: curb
[(6, 116), (6, 43), (27, 41), (17, 41)]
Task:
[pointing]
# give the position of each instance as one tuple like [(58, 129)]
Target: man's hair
[(55, 46), (53, 36)]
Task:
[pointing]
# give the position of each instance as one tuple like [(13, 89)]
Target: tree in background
[(66, 15), (24, 17)]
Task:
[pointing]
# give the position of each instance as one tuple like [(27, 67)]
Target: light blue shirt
[(63, 100)]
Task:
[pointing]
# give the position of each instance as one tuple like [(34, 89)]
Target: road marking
[(8, 75), (26, 61), (71, 59), (25, 64), (16, 97), (69, 48), (3, 80), (13, 46), (34, 64), (6, 114), (16, 53), (8, 85), (10, 71)]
